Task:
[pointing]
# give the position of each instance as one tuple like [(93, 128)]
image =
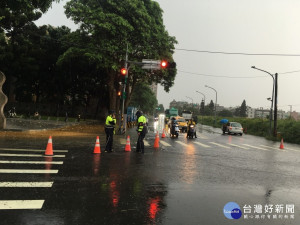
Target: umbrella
[(224, 121)]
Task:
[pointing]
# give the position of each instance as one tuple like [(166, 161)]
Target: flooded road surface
[(181, 182)]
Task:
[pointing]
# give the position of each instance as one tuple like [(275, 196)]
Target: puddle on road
[(194, 203)]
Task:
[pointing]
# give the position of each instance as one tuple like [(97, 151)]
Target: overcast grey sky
[(233, 26)]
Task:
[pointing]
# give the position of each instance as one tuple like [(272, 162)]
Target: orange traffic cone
[(127, 146), (49, 149), (97, 146), (281, 144), (163, 134), (156, 141)]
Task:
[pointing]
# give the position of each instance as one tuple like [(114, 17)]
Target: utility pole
[(275, 105)]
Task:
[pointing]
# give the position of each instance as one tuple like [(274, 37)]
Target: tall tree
[(202, 107), (17, 23), (243, 109), (110, 26), (211, 105)]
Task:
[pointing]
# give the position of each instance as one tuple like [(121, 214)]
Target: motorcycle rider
[(173, 122), (191, 122), (142, 130)]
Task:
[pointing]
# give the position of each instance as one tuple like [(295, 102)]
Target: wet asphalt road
[(181, 182)]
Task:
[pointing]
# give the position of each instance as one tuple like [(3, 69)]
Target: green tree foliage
[(202, 107), (144, 98), (108, 27), (211, 105), (17, 23), (243, 109)]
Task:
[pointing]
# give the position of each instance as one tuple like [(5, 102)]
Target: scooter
[(174, 130), (191, 131)]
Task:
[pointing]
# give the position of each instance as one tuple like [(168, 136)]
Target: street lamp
[(203, 96), (275, 104), (215, 103)]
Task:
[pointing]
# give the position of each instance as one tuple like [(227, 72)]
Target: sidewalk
[(18, 124)]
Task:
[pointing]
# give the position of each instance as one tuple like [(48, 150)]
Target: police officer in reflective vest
[(142, 130), (109, 130)]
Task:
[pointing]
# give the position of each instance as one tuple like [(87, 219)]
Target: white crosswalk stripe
[(202, 145), (21, 204), (46, 161), (201, 136), (29, 150), (30, 162), (27, 171), (165, 144), (265, 146), (238, 146), (146, 143), (29, 155), (251, 146), (217, 144), (181, 143), (26, 184)]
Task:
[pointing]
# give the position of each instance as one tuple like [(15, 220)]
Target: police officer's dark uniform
[(142, 130), (109, 130)]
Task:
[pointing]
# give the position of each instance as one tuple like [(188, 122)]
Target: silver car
[(234, 128)]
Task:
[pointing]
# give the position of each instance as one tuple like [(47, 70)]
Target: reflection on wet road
[(185, 181)]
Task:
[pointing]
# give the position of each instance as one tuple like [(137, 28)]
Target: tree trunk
[(112, 90)]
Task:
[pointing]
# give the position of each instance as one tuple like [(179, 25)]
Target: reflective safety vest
[(141, 123), (110, 122)]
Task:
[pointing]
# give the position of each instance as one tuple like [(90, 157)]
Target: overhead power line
[(211, 75), (236, 53)]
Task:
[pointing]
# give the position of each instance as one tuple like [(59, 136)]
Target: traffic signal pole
[(124, 95)]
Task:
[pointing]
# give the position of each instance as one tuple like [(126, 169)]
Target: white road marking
[(251, 146), (165, 144), (29, 155), (27, 171), (238, 146), (217, 144), (21, 204), (29, 150), (179, 142), (201, 136), (273, 148), (26, 184), (31, 162), (146, 143), (290, 149), (203, 145)]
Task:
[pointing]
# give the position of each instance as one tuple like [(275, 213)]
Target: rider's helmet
[(139, 113)]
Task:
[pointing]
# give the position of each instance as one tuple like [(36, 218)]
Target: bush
[(288, 129)]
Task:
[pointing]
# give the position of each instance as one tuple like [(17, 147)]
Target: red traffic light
[(123, 71), (164, 64), (119, 93)]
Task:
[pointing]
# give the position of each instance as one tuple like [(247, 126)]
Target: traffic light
[(124, 71), (165, 64), (119, 93)]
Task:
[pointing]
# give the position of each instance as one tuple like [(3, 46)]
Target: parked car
[(234, 128)]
